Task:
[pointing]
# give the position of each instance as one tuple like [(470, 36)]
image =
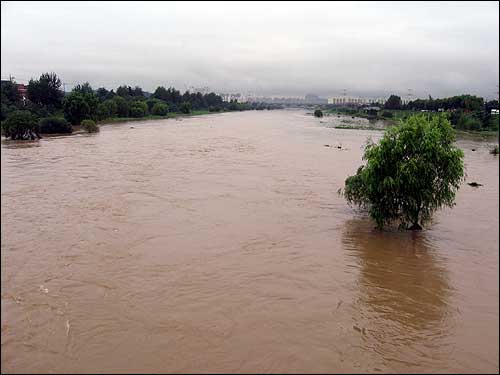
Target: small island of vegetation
[(413, 171)]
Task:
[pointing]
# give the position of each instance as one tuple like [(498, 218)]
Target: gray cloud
[(438, 48)]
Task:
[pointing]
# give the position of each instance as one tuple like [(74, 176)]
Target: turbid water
[(219, 244)]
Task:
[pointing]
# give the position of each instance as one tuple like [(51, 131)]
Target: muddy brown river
[(219, 244)]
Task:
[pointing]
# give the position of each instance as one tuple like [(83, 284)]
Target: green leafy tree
[(136, 91), (6, 110), (468, 122), (160, 109), (233, 105), (213, 100), (413, 171), (84, 88), (394, 102), (103, 112), (185, 107), (21, 125), (123, 91), (318, 113), (76, 108), (122, 107), (46, 91), (161, 93), (138, 109), (103, 94), (10, 92)]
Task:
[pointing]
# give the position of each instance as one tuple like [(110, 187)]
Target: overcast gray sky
[(290, 49)]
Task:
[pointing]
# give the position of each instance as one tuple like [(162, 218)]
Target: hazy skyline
[(283, 49)]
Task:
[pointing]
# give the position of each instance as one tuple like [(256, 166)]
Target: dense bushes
[(467, 122), (90, 126), (76, 108), (122, 108), (159, 109), (138, 109), (55, 125), (185, 107), (21, 125), (318, 113)]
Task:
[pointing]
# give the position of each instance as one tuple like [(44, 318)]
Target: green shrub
[(76, 108), (467, 122), (387, 114), (494, 122), (103, 112), (160, 109), (372, 113), (185, 107), (318, 113), (54, 125), (90, 126), (6, 110), (21, 125), (122, 107), (138, 109), (151, 103)]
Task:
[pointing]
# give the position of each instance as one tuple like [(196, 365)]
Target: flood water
[(219, 244)]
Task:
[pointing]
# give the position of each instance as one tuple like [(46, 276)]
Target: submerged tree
[(413, 171), (21, 125)]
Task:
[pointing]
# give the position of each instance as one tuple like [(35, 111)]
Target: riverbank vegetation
[(465, 112), (90, 126), (413, 171), (318, 113), (53, 111)]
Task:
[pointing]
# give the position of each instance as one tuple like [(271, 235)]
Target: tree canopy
[(413, 171), (45, 99), (21, 125), (394, 102), (46, 91), (76, 108)]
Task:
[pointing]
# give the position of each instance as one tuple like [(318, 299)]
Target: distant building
[(230, 97), (21, 88), (314, 99), (347, 100), (203, 90)]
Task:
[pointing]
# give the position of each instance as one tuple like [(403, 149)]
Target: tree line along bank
[(47, 109), (465, 112)]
